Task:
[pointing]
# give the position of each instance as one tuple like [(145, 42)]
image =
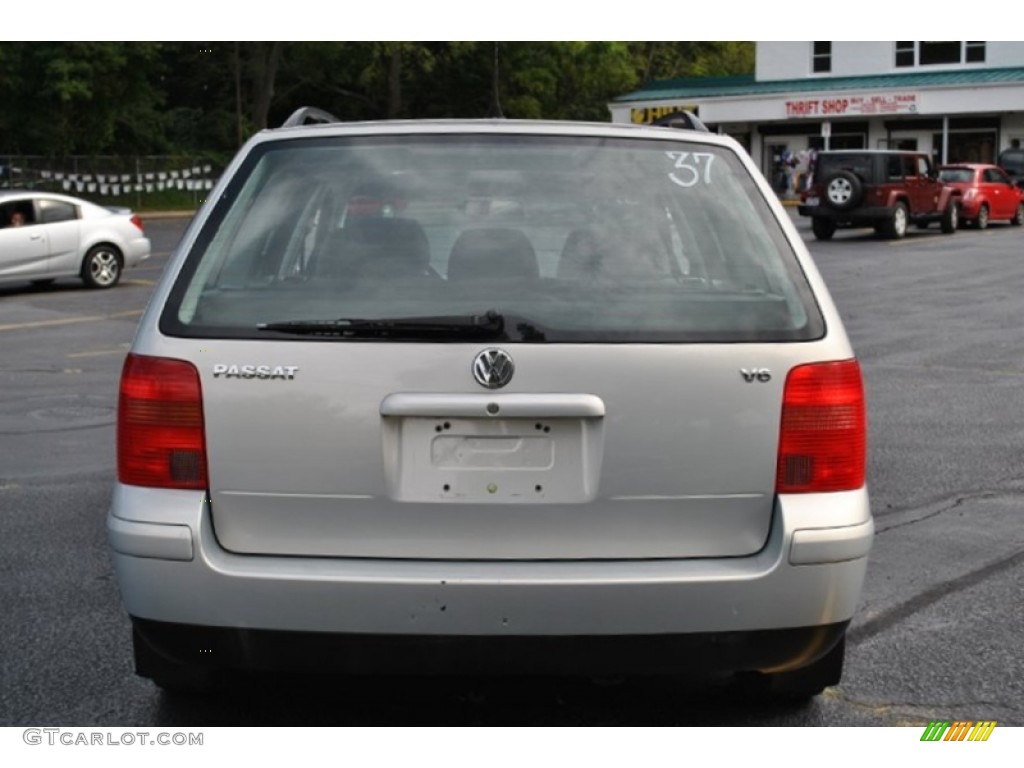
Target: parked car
[(602, 420), (45, 236), (884, 189), (987, 193), (1012, 161)]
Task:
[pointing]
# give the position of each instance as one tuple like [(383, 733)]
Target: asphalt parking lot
[(938, 324)]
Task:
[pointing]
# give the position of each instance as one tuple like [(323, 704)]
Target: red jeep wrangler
[(878, 188)]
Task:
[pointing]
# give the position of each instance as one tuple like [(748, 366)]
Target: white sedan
[(44, 236)]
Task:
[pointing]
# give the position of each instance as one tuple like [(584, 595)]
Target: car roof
[(30, 193), (8, 193), (35, 194), (471, 125), (489, 126)]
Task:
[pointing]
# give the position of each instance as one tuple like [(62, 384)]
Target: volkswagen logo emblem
[(493, 368)]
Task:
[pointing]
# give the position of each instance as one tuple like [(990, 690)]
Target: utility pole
[(238, 94)]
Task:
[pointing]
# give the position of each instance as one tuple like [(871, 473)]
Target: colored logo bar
[(960, 730)]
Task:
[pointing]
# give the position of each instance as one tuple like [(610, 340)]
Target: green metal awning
[(746, 85)]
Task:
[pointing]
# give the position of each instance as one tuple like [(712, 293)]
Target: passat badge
[(254, 371)]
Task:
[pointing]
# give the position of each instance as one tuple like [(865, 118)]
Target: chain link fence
[(142, 182)]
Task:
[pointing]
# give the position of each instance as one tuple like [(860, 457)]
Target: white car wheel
[(102, 267)]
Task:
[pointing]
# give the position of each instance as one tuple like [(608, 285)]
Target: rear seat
[(592, 256), (377, 248), (493, 254)]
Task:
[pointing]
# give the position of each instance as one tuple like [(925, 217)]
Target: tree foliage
[(149, 98)]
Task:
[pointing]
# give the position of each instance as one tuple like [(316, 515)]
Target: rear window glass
[(55, 210), (569, 239), (1013, 160), (860, 164), (962, 175)]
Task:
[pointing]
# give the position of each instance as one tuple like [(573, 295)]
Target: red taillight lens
[(823, 440), (138, 223), (160, 436)]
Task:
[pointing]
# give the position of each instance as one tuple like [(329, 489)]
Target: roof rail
[(682, 119), (305, 115)]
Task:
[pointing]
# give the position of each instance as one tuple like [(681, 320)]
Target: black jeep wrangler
[(877, 188), (1012, 161)]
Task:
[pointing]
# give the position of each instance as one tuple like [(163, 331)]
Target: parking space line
[(120, 350), (70, 320), (925, 240), (139, 281)]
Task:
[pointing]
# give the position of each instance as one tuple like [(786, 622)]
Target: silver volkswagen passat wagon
[(491, 396)]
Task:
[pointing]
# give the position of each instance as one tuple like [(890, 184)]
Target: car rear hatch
[(593, 451), (640, 416)]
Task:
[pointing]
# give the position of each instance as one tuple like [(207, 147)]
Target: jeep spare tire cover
[(843, 190)]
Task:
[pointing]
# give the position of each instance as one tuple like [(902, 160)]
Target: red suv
[(878, 188), (988, 193)]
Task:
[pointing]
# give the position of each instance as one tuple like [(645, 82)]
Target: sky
[(508, 20)]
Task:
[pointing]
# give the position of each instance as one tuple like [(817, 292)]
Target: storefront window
[(967, 146), (848, 141), (903, 144)]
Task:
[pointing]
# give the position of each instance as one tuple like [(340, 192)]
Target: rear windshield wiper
[(489, 325)]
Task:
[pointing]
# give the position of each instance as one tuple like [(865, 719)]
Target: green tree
[(110, 97), (62, 98), (666, 60)]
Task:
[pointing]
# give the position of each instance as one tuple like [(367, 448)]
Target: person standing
[(788, 164)]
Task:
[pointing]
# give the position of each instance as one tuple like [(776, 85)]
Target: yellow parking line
[(70, 320), (140, 281), (100, 352), (923, 240)]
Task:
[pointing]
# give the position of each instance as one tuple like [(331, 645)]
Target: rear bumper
[(365, 654), (789, 601), (857, 216), (136, 251), (970, 209)]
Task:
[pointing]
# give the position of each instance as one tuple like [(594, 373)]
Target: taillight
[(137, 222), (823, 439), (160, 436)]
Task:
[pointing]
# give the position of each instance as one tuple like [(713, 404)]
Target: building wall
[(852, 58), (782, 60), (789, 60), (952, 121), (1008, 53)]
